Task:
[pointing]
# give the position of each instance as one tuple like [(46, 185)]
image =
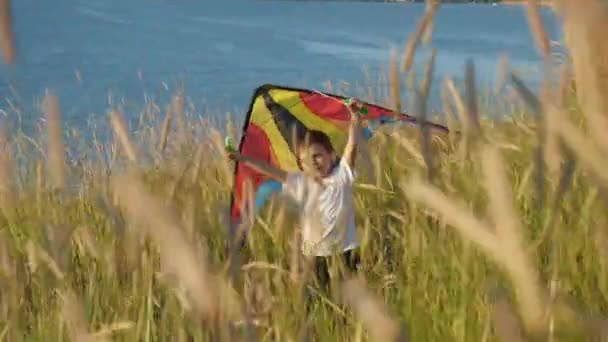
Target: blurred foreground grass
[(497, 232)]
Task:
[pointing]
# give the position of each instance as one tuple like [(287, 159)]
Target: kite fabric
[(277, 117)]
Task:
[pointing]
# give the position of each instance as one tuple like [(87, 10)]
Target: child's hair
[(315, 137)]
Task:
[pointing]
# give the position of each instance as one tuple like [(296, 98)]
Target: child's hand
[(234, 156), (355, 108)]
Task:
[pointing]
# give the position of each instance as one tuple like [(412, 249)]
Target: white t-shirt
[(326, 211)]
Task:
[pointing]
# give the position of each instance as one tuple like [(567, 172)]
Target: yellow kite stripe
[(262, 118), (292, 102)]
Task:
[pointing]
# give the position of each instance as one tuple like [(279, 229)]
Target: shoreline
[(546, 4), (506, 2), (549, 4)]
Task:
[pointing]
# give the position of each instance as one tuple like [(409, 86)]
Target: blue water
[(222, 49)]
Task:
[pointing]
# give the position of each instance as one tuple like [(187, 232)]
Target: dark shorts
[(347, 263)]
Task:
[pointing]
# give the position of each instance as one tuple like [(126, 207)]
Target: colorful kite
[(278, 116)]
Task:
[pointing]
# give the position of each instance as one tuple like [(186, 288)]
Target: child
[(324, 193)]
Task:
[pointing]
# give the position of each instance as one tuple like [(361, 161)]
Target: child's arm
[(350, 150), (260, 166)]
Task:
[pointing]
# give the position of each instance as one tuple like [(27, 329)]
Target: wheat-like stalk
[(506, 322), (584, 25), (395, 84), (536, 26), (178, 255), (6, 170), (422, 27), (55, 151), (372, 313), (7, 39), (164, 135), (120, 130), (505, 246), (177, 108), (74, 316)]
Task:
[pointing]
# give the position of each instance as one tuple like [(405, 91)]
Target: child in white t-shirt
[(323, 192)]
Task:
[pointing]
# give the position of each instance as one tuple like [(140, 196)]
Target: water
[(221, 50)]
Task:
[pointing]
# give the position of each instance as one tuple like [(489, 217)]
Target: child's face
[(316, 160)]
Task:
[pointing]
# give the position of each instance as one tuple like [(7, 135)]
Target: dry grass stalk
[(448, 112), (7, 40), (428, 77), (111, 328), (178, 254), (36, 255), (55, 152), (460, 106), (371, 312), (547, 153), (536, 26), (422, 100), (471, 99), (564, 86), (501, 74), (196, 164), (506, 322), (412, 44), (102, 168), (120, 131), (550, 150), (587, 152), (230, 128), (505, 247), (563, 185), (39, 183), (526, 95), (328, 86), (164, 135), (395, 84), (11, 301), (454, 213), (85, 241), (7, 265), (177, 107), (410, 81), (6, 169), (296, 271), (509, 233), (74, 316), (427, 35), (585, 24)]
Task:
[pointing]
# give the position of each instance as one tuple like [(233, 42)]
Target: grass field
[(495, 233)]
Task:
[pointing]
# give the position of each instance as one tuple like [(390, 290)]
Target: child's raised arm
[(260, 166), (350, 150)]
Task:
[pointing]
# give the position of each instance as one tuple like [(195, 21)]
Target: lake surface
[(223, 49)]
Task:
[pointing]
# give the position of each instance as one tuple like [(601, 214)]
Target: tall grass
[(496, 231)]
